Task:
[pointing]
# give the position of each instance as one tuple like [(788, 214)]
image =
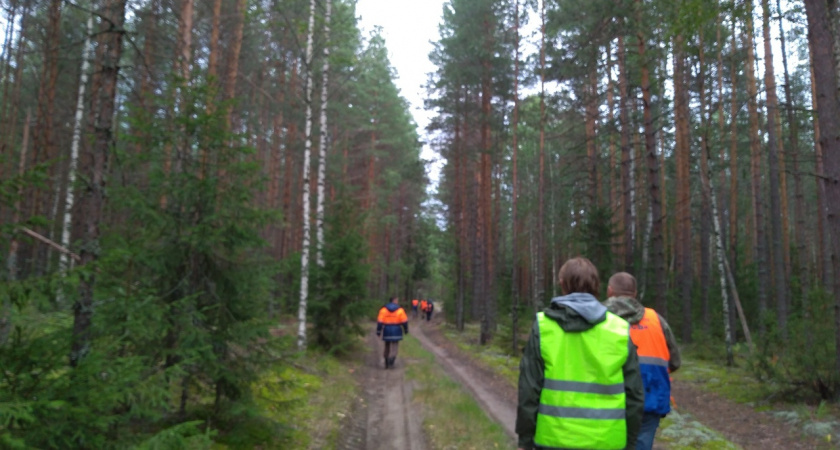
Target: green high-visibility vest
[(582, 403)]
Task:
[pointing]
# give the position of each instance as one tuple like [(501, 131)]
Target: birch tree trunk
[(307, 148), (65, 263), (322, 142)]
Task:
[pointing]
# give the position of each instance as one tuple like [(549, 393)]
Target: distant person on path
[(414, 306), (423, 303), (657, 349), (430, 307), (391, 324), (579, 380)]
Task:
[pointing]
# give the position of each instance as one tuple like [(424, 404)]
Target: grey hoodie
[(576, 312), (629, 309)]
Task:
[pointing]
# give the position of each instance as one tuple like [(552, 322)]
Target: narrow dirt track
[(495, 405), (385, 418)]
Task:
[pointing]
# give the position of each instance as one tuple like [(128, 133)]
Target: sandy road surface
[(385, 418)]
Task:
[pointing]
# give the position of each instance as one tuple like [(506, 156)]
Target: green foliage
[(340, 286), (804, 360)]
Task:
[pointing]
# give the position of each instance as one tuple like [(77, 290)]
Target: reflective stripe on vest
[(582, 402), (653, 362)]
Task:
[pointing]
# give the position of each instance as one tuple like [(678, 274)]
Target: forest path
[(385, 417)]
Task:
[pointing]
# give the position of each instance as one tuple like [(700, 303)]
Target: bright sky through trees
[(409, 28)]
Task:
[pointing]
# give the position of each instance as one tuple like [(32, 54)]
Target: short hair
[(393, 299), (579, 275), (622, 283)]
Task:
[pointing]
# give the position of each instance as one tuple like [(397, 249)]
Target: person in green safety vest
[(579, 380)]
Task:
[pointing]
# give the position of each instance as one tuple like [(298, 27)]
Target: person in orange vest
[(391, 324), (657, 349), (423, 305), (414, 306), (430, 306)]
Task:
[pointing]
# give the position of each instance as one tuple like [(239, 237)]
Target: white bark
[(322, 144), (65, 263), (307, 148)]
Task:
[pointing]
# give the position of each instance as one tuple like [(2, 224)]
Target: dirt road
[(385, 418)]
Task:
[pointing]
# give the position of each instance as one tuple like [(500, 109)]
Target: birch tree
[(307, 225), (322, 142)]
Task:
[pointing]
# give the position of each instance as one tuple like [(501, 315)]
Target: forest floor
[(386, 418)]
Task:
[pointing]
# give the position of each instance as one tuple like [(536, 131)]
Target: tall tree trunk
[(322, 142), (65, 262), (780, 273), (756, 168), (213, 57), (683, 238), (733, 156), (591, 97), (706, 207), (233, 58), (92, 199), (304, 257), (656, 219), (828, 110), (515, 189), (538, 287), (627, 166)]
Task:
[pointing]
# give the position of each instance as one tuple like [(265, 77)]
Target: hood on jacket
[(392, 306), (576, 312), (628, 308)]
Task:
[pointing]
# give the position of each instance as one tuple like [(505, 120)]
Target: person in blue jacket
[(391, 324)]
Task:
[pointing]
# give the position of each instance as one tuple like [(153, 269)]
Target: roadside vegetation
[(452, 418)]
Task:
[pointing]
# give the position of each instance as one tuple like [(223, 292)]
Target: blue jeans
[(650, 422)]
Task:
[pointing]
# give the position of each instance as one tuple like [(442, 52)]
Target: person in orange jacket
[(391, 324), (430, 306), (423, 305), (414, 306), (657, 349)]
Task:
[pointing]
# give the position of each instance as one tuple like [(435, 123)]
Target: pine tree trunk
[(780, 273), (733, 157), (12, 259), (515, 190), (322, 142), (92, 199), (655, 217), (627, 160), (759, 243), (683, 238), (304, 258), (828, 111), (538, 268)]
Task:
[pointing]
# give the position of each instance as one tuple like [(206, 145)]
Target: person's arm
[(634, 395), (531, 380), (379, 324), (675, 360)]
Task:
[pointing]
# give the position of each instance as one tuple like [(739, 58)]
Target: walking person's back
[(391, 324), (579, 380), (657, 349)]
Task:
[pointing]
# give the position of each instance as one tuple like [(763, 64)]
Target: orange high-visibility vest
[(397, 317), (422, 305), (653, 362), (414, 302)]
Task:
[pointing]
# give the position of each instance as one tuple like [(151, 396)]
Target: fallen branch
[(52, 244)]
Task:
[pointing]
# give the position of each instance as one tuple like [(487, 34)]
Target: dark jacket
[(391, 323), (629, 309), (576, 312)]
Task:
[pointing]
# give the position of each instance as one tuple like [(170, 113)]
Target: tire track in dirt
[(384, 418), (495, 405)]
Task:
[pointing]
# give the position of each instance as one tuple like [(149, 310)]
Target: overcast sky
[(409, 27)]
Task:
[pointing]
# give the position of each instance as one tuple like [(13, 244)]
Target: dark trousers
[(650, 422), (391, 348)]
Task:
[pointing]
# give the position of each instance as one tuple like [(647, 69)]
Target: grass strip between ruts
[(452, 418)]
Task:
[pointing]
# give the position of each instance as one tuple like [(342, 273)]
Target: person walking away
[(579, 380), (414, 306), (423, 304), (657, 348), (391, 324), (430, 306)]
